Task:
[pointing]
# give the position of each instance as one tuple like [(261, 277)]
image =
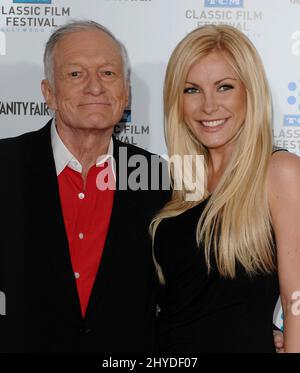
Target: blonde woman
[(219, 258)]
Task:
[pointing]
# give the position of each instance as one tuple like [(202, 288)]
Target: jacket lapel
[(42, 198)]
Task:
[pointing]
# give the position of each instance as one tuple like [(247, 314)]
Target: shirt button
[(81, 235), (77, 275), (81, 195)]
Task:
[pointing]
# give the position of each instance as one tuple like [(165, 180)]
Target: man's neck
[(85, 145)]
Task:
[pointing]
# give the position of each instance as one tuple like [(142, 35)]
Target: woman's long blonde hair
[(235, 225)]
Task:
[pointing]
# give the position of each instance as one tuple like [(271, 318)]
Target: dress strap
[(278, 149)]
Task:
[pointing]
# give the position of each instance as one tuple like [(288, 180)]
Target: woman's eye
[(191, 90), (225, 87)]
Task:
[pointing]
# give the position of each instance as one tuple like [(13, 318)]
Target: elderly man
[(76, 264)]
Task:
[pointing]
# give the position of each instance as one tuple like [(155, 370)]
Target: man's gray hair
[(76, 26)]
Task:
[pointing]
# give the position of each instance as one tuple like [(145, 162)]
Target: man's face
[(89, 90)]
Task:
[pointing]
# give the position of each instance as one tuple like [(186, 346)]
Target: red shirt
[(86, 215)]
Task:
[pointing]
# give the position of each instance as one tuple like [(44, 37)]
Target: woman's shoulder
[(283, 163), (284, 172)]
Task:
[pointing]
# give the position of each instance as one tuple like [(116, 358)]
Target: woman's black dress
[(203, 312)]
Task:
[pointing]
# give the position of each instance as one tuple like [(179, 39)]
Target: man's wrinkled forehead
[(88, 44)]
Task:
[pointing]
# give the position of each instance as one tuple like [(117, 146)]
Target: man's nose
[(94, 84)]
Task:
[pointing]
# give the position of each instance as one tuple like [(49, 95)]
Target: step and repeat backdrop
[(150, 29)]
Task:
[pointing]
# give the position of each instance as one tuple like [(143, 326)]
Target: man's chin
[(96, 123)]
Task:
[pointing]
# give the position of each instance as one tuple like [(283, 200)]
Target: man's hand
[(278, 341)]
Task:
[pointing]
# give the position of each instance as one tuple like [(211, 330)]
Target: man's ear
[(48, 94), (128, 93)]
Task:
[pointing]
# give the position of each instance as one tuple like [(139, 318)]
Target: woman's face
[(214, 102)]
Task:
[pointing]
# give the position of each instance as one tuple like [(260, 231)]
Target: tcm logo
[(293, 120), (2, 304), (224, 3), (32, 1), (2, 44)]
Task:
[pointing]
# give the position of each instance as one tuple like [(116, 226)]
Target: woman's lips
[(212, 125)]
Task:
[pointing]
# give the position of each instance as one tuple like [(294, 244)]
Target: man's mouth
[(95, 103)]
